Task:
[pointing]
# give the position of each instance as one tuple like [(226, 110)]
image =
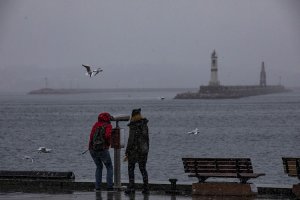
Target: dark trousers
[(142, 161)]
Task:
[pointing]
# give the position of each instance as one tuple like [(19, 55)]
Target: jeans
[(100, 158)]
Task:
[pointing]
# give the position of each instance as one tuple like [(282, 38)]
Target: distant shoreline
[(79, 91)]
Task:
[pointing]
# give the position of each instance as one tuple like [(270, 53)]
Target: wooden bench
[(291, 166), (203, 168)]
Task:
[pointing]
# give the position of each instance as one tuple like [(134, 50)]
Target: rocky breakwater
[(230, 92)]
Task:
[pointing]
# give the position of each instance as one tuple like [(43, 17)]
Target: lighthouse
[(263, 81), (214, 70)]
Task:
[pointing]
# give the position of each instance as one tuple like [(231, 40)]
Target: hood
[(104, 117)]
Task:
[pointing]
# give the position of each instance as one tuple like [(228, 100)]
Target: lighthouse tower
[(214, 70), (263, 81)]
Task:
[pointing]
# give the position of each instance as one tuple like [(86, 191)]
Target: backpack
[(98, 142)]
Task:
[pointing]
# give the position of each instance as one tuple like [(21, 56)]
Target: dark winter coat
[(138, 140)]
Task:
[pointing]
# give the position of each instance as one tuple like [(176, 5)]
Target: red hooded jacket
[(103, 119)]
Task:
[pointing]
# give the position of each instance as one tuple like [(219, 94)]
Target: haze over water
[(147, 44), (264, 128)]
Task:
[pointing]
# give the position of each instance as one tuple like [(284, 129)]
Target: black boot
[(130, 189), (145, 188)]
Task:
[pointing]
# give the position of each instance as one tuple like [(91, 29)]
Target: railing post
[(117, 159), (116, 145)]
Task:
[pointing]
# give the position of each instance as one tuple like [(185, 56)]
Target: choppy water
[(264, 128)]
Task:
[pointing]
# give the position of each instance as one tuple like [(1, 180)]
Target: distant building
[(263, 81), (216, 91), (214, 70)]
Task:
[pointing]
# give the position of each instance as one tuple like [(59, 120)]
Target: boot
[(145, 188), (130, 189)]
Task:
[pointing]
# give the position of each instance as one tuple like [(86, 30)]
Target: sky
[(147, 43)]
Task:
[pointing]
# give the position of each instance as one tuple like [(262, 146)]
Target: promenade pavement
[(104, 195), (116, 195)]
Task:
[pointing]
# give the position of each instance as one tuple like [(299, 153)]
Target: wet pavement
[(104, 195)]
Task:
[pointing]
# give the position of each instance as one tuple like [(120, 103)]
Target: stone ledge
[(278, 190), (58, 186), (296, 190), (222, 189)]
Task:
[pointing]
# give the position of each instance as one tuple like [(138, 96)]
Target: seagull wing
[(197, 131), (97, 71), (88, 68)]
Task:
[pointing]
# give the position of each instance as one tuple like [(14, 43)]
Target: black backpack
[(98, 142)]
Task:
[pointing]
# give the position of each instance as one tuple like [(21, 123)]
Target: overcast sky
[(147, 43)]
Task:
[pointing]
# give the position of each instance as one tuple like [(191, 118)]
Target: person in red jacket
[(102, 156)]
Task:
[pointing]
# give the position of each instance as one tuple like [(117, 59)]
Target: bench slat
[(217, 171), (220, 159), (290, 168), (219, 162), (292, 173), (253, 175), (227, 175), (217, 167)]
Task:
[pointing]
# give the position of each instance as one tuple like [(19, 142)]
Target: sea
[(264, 128)]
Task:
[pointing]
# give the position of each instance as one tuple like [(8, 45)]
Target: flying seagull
[(91, 72), (194, 132)]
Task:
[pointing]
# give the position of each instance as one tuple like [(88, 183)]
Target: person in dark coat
[(137, 149)]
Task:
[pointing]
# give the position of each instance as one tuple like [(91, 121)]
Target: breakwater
[(230, 92)]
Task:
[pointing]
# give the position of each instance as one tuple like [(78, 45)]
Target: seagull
[(90, 72), (44, 150), (28, 158), (194, 132)]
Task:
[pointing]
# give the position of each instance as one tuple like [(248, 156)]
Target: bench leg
[(201, 179), (243, 180)]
